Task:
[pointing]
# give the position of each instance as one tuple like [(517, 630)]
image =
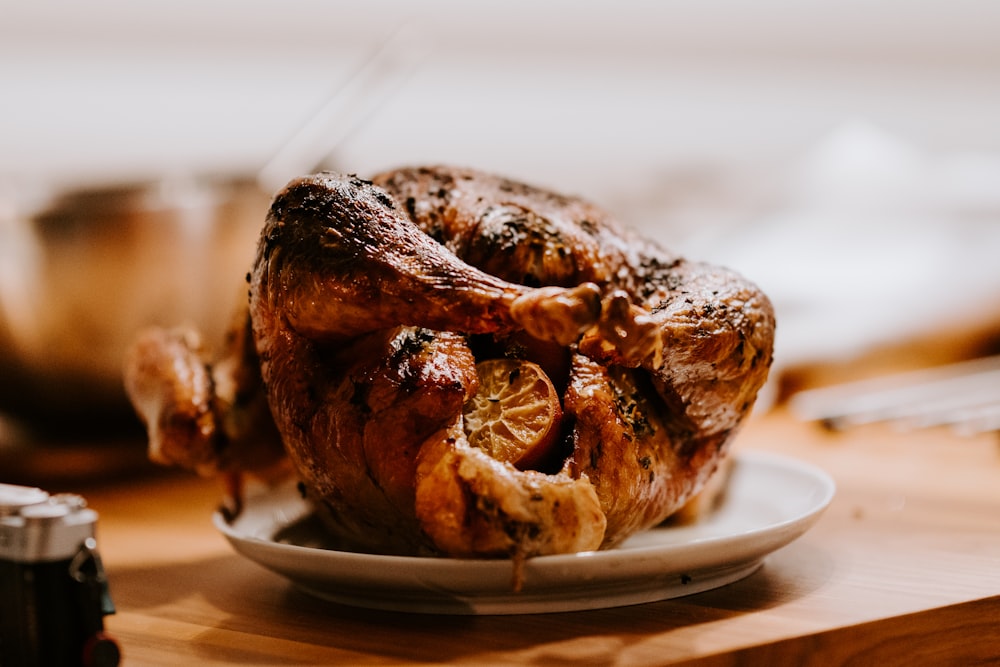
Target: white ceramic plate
[(769, 502)]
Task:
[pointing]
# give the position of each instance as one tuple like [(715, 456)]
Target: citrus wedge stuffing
[(515, 414)]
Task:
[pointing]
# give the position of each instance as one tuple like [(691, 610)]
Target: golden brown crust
[(171, 390), (472, 505), (370, 303), (210, 416), (359, 320), (668, 364), (517, 232), (699, 337)]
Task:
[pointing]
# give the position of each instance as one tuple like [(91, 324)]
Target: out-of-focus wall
[(580, 95), (842, 153)]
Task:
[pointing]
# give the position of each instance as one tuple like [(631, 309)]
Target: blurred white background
[(578, 94), (841, 153)]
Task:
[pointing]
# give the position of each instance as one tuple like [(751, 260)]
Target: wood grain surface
[(903, 568)]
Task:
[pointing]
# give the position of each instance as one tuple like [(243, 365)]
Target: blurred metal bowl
[(81, 277)]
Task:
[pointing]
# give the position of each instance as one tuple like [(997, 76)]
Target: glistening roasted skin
[(661, 374), (212, 418), (371, 302), (360, 320)]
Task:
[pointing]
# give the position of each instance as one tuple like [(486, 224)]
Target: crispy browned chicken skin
[(370, 303)]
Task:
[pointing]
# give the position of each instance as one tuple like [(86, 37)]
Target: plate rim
[(707, 562)]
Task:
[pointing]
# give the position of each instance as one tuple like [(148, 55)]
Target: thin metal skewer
[(382, 74), (964, 396)]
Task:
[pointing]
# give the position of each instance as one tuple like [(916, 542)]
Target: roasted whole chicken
[(370, 303)]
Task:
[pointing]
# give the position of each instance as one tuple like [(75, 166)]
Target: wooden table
[(903, 567)]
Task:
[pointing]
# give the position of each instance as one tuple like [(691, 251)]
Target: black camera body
[(54, 591)]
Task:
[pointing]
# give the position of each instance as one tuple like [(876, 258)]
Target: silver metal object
[(84, 274), (55, 590), (36, 527), (351, 105), (81, 276), (962, 396)]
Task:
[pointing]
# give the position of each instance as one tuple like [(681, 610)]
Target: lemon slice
[(515, 414)]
